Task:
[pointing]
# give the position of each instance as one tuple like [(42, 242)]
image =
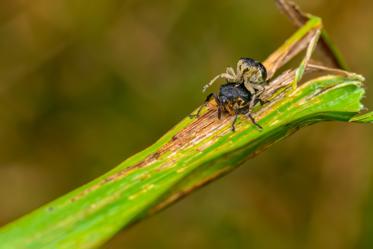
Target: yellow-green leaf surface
[(364, 118), (191, 154)]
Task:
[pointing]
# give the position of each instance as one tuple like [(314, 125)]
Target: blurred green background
[(85, 84)]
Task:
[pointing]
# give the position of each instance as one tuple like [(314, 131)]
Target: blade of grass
[(193, 153)]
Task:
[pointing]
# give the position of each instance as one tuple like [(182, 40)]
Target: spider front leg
[(229, 75), (239, 70), (230, 71), (208, 98)]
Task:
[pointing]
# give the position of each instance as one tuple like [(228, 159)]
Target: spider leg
[(208, 98), (263, 101), (258, 87), (254, 98), (252, 102), (230, 71), (253, 121), (219, 110), (239, 67), (233, 127), (226, 76), (249, 86), (247, 112), (255, 91)]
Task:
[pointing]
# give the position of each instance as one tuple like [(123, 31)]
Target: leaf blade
[(148, 182)]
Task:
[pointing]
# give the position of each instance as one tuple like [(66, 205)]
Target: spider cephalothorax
[(242, 90)]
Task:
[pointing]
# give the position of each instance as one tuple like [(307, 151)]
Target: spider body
[(233, 99), (242, 90)]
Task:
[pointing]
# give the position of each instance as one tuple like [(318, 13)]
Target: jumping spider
[(241, 92)]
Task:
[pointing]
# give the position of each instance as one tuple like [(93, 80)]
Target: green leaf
[(191, 154), (364, 118)]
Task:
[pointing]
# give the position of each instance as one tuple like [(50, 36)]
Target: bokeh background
[(85, 84)]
